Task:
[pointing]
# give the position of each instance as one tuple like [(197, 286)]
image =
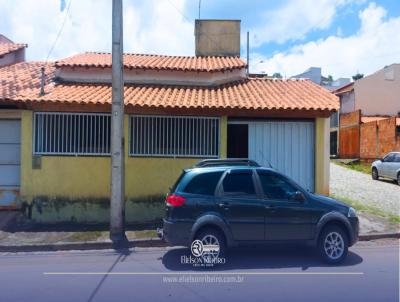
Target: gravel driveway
[(360, 187)]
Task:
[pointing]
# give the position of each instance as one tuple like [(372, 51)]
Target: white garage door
[(10, 146), (287, 146)]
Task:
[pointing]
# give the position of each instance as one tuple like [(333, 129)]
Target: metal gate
[(287, 146), (10, 147)]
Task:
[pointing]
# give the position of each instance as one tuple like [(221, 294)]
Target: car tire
[(209, 235), (333, 244), (374, 174), (398, 178)]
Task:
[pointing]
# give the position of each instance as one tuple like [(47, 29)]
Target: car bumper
[(355, 230), (176, 233)]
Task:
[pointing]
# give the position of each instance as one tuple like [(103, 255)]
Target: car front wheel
[(398, 179), (375, 174), (333, 245)]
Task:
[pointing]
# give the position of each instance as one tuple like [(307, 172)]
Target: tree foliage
[(357, 76)]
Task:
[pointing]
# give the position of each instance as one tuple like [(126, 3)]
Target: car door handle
[(224, 205), (271, 207)]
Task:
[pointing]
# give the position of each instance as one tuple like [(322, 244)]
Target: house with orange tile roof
[(10, 52), (178, 110)]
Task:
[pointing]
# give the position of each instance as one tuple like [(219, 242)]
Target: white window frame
[(209, 149), (101, 121)]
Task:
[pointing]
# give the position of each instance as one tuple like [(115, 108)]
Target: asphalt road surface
[(370, 273)]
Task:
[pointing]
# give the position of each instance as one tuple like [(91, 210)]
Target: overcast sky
[(288, 36)]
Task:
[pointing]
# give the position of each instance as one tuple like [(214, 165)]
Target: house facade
[(178, 110), (63, 136)]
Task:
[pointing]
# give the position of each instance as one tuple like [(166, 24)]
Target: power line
[(60, 31), (191, 20)]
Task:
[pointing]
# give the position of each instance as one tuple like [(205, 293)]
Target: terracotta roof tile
[(246, 94), (346, 88), (155, 62), (6, 48), (22, 78)]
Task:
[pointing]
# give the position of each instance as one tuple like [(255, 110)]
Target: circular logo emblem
[(197, 248)]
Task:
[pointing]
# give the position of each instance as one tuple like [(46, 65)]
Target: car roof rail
[(226, 162)]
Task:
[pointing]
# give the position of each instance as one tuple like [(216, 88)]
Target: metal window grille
[(173, 136), (59, 133)]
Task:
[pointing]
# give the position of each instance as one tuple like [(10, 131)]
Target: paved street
[(361, 187), (371, 273)]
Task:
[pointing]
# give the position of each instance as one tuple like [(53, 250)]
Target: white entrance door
[(10, 159), (287, 146)]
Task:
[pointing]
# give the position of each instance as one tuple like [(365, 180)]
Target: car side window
[(203, 184), (389, 158), (238, 184), (397, 158), (276, 187)]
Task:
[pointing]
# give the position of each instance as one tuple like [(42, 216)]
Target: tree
[(277, 75), (330, 78), (357, 76)]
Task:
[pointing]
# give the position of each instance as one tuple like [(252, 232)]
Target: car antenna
[(262, 160)]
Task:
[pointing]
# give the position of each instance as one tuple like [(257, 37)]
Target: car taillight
[(175, 200)]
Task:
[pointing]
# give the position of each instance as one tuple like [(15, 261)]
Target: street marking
[(203, 273)]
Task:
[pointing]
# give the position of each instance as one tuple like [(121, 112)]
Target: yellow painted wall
[(322, 156), (26, 188), (155, 175), (88, 176)]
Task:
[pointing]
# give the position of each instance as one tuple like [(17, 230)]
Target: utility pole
[(117, 206), (248, 54), (199, 8)]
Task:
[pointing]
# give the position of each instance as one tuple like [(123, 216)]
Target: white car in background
[(388, 167)]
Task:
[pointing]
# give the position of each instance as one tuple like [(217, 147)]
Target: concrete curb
[(148, 242), (369, 237), (64, 246)]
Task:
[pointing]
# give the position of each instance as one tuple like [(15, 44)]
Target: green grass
[(95, 235), (85, 236), (145, 234), (368, 209), (360, 167)]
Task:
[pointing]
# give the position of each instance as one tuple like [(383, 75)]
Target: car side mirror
[(298, 196)]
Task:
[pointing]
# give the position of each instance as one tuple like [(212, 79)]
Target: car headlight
[(352, 213)]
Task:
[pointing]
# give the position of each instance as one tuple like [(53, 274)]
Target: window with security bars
[(173, 136), (59, 133)]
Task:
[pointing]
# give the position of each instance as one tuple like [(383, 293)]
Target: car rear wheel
[(375, 174), (333, 244), (213, 243)]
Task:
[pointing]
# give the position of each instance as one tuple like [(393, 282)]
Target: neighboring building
[(10, 52), (178, 110), (369, 116), (346, 96), (315, 75)]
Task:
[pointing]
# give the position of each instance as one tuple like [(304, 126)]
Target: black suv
[(229, 203)]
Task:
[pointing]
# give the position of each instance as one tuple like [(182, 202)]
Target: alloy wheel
[(211, 247), (334, 245)]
